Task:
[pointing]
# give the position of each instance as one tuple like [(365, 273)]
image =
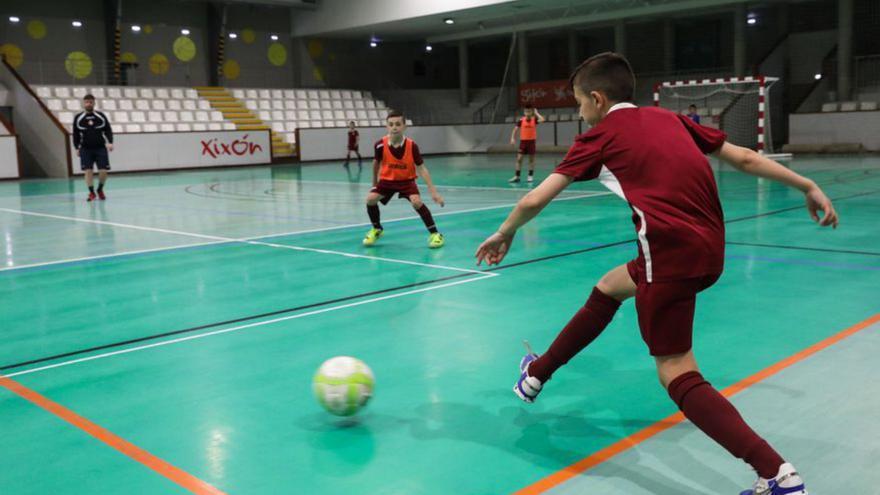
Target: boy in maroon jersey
[(354, 141), (654, 160)]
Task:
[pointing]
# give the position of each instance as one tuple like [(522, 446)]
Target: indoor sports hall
[(164, 331)]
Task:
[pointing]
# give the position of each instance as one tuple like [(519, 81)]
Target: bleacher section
[(850, 106), (285, 110), (165, 109), (138, 109)]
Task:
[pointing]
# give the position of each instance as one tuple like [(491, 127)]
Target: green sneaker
[(372, 236), (435, 240)]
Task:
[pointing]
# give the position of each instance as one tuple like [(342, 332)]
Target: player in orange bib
[(396, 165), (528, 136)]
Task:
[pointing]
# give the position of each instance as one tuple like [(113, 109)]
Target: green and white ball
[(343, 385)]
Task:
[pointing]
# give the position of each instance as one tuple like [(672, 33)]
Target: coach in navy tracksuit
[(90, 128)]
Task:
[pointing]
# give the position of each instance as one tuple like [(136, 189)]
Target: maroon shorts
[(527, 147), (352, 147), (666, 311), (388, 188)]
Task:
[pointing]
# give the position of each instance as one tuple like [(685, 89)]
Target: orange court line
[(640, 436), (173, 473)]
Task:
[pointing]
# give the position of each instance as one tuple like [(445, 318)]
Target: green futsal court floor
[(164, 341)]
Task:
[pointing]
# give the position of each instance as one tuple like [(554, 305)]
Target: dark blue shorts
[(89, 158)]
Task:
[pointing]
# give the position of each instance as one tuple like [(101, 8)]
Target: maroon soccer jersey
[(654, 159), (352, 139), (397, 152)]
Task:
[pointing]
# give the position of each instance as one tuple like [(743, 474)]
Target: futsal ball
[(343, 385)]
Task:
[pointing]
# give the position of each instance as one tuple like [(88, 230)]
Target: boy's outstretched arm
[(753, 163), (495, 247), (513, 135), (541, 118), (425, 174)]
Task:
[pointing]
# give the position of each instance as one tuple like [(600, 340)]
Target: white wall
[(330, 144), (836, 128), (174, 150), (8, 157)]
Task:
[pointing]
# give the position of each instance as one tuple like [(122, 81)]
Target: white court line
[(438, 186), (254, 238), (242, 327), (245, 241)]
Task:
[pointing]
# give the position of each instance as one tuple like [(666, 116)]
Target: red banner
[(546, 94)]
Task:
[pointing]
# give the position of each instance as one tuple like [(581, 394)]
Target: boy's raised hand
[(816, 201), (438, 199), (494, 248)]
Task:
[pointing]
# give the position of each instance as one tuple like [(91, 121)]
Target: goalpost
[(739, 106)]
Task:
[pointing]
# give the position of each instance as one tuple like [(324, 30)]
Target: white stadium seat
[(304, 125), (301, 94), (350, 114), (55, 105), (290, 104), (202, 116), (108, 105), (362, 114), (137, 116), (130, 93), (334, 94), (868, 106), (829, 107), (120, 117), (217, 116), (314, 115), (326, 104), (376, 123), (339, 114), (337, 104), (324, 94), (252, 94), (265, 105), (238, 93), (147, 93), (228, 126), (290, 115), (78, 92), (177, 94), (277, 94), (359, 104), (312, 94), (44, 92), (341, 123), (277, 105), (174, 105), (73, 105), (151, 127), (133, 128), (345, 94), (277, 115), (289, 94), (162, 93), (290, 126), (154, 116), (302, 114), (125, 105), (849, 106), (98, 93), (373, 114), (189, 105), (347, 104), (200, 126), (215, 126), (142, 104), (204, 105), (265, 94), (327, 115), (170, 116), (314, 105), (265, 115), (192, 94), (187, 116), (166, 127), (65, 117), (159, 105), (277, 126), (183, 127), (114, 93)]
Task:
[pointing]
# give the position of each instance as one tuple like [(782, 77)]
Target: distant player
[(654, 159), (396, 165), (354, 142), (528, 137), (693, 115), (93, 138)]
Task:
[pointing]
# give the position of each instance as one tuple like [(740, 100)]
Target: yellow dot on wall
[(277, 54), (248, 35), (12, 54), (318, 74), (78, 65), (184, 49), (148, 29), (159, 64), (128, 58), (36, 29), (316, 48), (231, 69)]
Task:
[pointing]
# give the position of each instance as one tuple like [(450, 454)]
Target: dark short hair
[(351, 122), (394, 113), (609, 73), (89, 97), (529, 107), (692, 105)]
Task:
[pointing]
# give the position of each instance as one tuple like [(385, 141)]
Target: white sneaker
[(513, 179), (531, 179), (786, 482)]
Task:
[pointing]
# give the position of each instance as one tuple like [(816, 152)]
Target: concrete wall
[(836, 128), (8, 157)]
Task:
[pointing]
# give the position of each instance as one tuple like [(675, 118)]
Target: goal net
[(739, 106)]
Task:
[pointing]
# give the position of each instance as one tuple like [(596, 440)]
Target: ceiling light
[(428, 48), (14, 19), (232, 36), (817, 77), (184, 32), (274, 37), (76, 24), (136, 28), (449, 20), (373, 44)]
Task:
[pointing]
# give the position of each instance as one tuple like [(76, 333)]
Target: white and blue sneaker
[(527, 387), (787, 482)]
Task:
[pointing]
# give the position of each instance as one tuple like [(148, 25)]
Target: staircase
[(236, 112)]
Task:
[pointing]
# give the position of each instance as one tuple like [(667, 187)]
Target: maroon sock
[(425, 213), (583, 328), (712, 413), (373, 212)]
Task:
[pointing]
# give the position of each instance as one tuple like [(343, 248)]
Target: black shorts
[(88, 158)]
